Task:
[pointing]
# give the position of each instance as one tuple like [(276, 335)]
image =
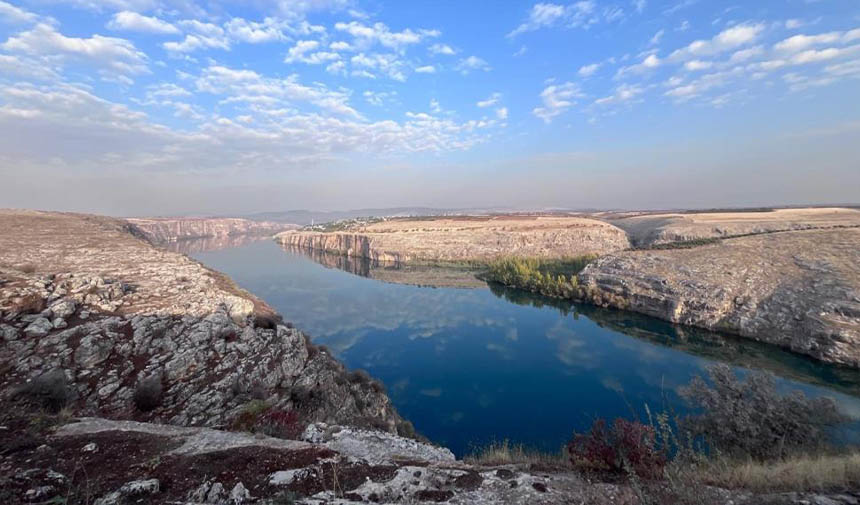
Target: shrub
[(50, 390), (750, 418), (406, 429), (628, 446), (147, 394), (249, 415), (279, 424), (549, 277), (358, 376), (267, 321)]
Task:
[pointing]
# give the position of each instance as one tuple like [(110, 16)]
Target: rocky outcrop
[(160, 325), (465, 239), (136, 462), (799, 290), (659, 229), (165, 230)]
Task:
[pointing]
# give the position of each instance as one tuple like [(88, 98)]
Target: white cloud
[(650, 62), (340, 46), (426, 69), (442, 49), (588, 70), (389, 64), (132, 21), (114, 137), (489, 102), (557, 98), (656, 38), (43, 40), (204, 36), (695, 65), (801, 42), (543, 15), (305, 51), (623, 93), (466, 65), (378, 98), (728, 39), (248, 86), (252, 32), (14, 65), (166, 89), (367, 35), (640, 5), (502, 113), (746, 54), (13, 14)]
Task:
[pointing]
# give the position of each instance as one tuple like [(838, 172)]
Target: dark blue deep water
[(472, 366)]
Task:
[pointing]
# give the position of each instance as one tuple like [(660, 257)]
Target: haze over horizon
[(160, 107)]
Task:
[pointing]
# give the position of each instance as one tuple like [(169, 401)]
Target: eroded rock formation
[(165, 230), (799, 290), (465, 238)]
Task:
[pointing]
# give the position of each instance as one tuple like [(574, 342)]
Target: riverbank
[(131, 373)]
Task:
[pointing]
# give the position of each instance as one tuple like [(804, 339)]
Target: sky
[(173, 107)]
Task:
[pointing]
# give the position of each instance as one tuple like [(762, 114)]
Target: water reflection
[(394, 272), (468, 366), (198, 245)]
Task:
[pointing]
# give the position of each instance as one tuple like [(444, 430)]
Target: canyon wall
[(465, 238), (799, 290), (165, 230), (107, 313)]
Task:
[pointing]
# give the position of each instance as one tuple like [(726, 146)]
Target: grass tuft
[(507, 453)]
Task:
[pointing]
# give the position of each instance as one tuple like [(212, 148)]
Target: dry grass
[(800, 473), (507, 453)]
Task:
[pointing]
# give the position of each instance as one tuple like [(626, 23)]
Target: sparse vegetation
[(626, 446), (507, 453), (258, 416), (749, 418), (549, 277), (49, 391), (797, 473), (686, 244)]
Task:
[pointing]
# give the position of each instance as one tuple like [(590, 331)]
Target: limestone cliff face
[(352, 245), (163, 230), (799, 290), (466, 239)]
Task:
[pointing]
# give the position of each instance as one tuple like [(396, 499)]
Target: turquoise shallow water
[(470, 366)]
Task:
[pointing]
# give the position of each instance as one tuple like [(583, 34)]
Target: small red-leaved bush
[(626, 446), (280, 424)]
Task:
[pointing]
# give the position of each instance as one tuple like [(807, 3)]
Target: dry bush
[(626, 446), (749, 418), (50, 391), (507, 453), (797, 473)]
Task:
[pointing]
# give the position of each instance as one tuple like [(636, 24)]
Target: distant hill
[(304, 217)]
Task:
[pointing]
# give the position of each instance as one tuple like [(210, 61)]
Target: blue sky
[(163, 107)]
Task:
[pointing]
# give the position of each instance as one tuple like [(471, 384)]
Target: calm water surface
[(470, 366)]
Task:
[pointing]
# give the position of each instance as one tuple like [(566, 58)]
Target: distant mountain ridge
[(304, 217)]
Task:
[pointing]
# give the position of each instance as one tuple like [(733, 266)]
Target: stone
[(239, 494), (39, 327), (90, 447), (139, 487)]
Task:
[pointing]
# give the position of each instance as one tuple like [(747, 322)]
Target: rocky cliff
[(465, 238), (109, 315), (164, 230), (799, 290), (659, 229)]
